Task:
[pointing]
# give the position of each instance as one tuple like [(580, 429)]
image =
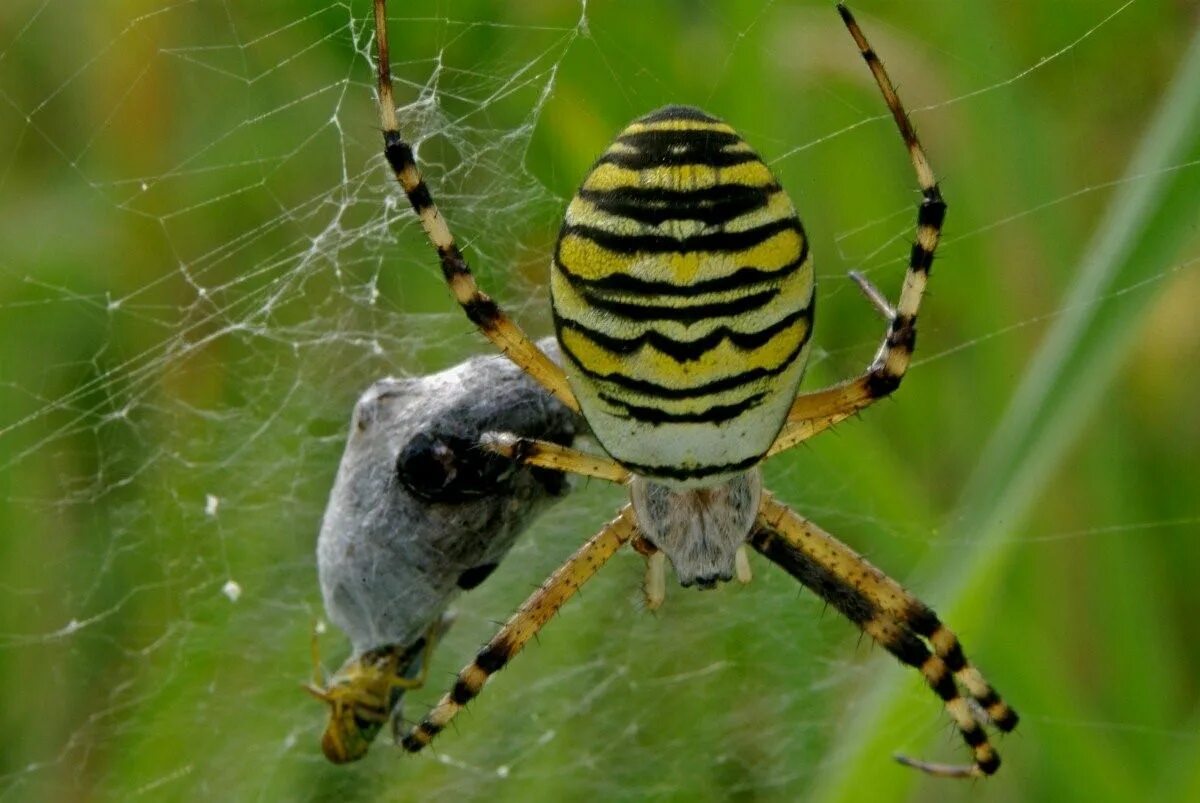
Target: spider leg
[(813, 412), (401, 682), (741, 566), (480, 308), (894, 618), (873, 294), (524, 625), (654, 588), (532, 452), (425, 646)]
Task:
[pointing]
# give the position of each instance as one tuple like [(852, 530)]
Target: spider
[(682, 294)]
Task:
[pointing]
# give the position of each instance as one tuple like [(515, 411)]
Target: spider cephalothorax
[(700, 530)]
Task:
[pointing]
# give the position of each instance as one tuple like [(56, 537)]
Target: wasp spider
[(682, 292)]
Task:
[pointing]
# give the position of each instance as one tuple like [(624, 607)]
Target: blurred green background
[(203, 260)]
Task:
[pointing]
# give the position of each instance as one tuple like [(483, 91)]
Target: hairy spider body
[(682, 296), (701, 530)]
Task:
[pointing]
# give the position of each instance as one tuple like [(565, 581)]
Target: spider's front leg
[(898, 621), (480, 308), (813, 412), (553, 456), (524, 625)]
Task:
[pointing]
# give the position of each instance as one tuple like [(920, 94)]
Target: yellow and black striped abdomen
[(682, 295)]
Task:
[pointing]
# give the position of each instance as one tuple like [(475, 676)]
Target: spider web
[(205, 260)]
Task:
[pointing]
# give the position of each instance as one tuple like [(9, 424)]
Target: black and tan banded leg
[(545, 454), (480, 308), (524, 625), (894, 618), (814, 412)]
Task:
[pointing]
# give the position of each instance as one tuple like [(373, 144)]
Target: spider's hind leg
[(925, 623), (898, 621)]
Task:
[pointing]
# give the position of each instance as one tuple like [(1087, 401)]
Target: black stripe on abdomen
[(686, 350), (654, 205), (713, 414), (684, 314), (643, 387), (714, 242)]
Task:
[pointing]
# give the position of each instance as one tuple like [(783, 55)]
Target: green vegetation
[(200, 270)]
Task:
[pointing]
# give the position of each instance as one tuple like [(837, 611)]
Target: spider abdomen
[(682, 295)]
